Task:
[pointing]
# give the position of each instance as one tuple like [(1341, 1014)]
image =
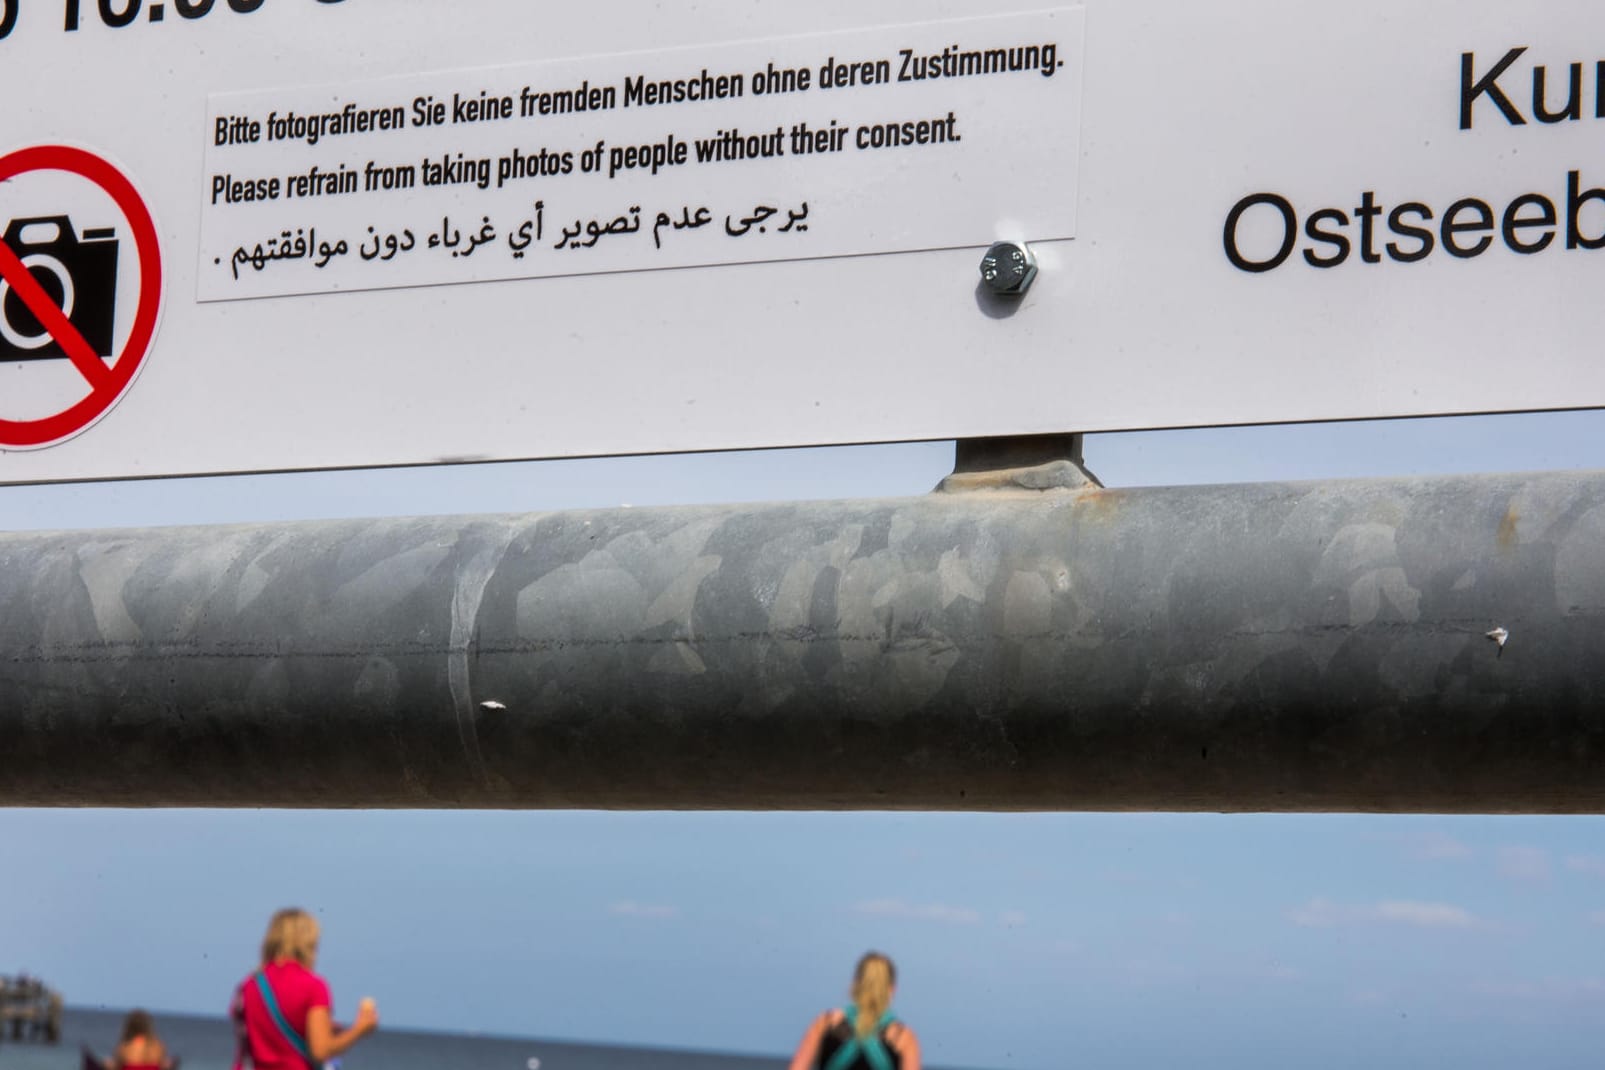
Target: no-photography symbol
[(58, 293)]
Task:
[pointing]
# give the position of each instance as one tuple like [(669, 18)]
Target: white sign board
[(245, 235)]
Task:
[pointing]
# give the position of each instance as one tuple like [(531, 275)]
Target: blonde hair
[(872, 990), (292, 934)]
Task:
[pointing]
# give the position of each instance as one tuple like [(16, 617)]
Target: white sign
[(1245, 211), (881, 141)]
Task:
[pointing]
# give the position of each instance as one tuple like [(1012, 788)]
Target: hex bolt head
[(1008, 268)]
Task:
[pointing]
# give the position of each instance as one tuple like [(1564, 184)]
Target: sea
[(208, 1044)]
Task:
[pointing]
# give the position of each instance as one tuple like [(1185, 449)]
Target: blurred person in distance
[(140, 1048), (283, 1014), (864, 1035)]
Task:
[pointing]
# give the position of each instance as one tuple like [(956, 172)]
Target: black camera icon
[(78, 273)]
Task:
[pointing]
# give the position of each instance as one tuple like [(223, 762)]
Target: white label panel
[(878, 141)]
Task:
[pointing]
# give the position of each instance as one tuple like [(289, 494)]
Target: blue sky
[(1029, 940)]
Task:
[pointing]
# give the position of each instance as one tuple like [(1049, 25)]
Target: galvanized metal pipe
[(1260, 647)]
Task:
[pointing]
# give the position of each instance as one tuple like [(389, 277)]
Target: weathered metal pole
[(1256, 647)]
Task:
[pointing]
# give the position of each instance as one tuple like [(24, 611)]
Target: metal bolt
[(1008, 268)]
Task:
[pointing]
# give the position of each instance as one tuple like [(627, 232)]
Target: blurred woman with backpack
[(864, 1035)]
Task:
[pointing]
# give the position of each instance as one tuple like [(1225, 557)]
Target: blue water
[(208, 1044)]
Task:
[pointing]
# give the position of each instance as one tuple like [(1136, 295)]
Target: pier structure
[(29, 1010)]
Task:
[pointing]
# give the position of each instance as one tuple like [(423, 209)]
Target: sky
[(1022, 940)]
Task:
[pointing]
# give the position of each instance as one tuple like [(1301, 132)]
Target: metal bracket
[(1018, 463)]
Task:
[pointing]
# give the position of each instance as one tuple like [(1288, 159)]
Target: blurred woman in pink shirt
[(283, 1014)]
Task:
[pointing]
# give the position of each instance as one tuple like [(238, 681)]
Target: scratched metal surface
[(1267, 647)]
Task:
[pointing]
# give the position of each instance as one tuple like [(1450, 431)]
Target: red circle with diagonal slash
[(106, 385)]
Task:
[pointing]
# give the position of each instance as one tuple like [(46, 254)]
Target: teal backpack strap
[(875, 1053), (296, 1040), (871, 1047)]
